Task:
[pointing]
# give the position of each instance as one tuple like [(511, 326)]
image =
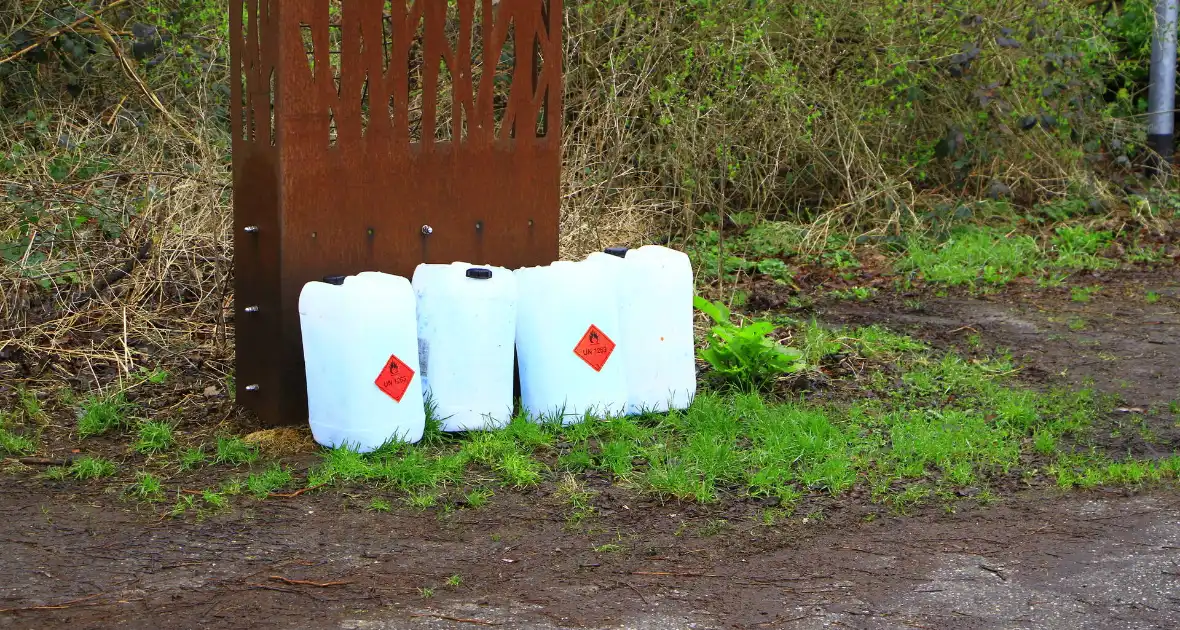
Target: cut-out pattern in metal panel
[(404, 131)]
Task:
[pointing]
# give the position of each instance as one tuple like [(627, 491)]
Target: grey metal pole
[(1161, 97)]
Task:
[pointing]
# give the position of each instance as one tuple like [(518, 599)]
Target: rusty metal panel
[(254, 55), (403, 132)]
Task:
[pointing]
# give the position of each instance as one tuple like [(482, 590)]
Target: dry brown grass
[(154, 293)]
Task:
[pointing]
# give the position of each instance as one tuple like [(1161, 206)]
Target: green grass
[(478, 497), (579, 500), (215, 500), (455, 581), (380, 505), (1152, 297), (193, 458), (184, 503), (85, 468), (422, 499), (859, 294), (235, 452), (29, 409), (973, 256), (154, 437), (12, 443), (978, 256), (263, 483), (1089, 470), (147, 487), (1083, 294), (99, 414), (1078, 248)]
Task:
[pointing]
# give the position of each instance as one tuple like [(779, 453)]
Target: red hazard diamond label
[(395, 378), (594, 348)]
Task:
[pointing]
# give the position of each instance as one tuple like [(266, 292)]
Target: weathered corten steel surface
[(376, 135)]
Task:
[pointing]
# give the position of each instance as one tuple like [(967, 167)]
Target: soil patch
[(1045, 560)]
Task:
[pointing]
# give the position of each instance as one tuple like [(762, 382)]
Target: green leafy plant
[(859, 294), (745, 356)]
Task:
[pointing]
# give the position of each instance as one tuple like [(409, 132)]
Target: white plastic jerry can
[(655, 291), (567, 330), (360, 349), (466, 343)]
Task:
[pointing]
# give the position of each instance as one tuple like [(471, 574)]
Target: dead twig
[(994, 571), (780, 620), (676, 574), (44, 461), (279, 578), (478, 622), (58, 31), (292, 495), (122, 271), (134, 76), (632, 587), (267, 587), (63, 605)]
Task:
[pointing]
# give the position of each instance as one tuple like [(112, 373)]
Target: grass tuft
[(192, 458), (154, 437), (380, 505), (100, 414), (147, 487), (266, 482), (12, 443), (85, 468), (478, 497), (234, 451)]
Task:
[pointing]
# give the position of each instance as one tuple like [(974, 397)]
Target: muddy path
[(73, 557), (1086, 560)]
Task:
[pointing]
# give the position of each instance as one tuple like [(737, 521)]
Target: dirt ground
[(78, 558)]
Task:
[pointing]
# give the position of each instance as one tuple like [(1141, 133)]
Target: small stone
[(999, 190)]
